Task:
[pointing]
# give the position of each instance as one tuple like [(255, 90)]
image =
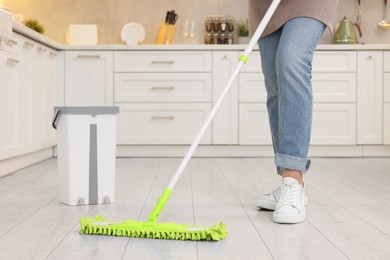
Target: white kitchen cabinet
[(162, 124), (164, 97), (370, 97), (9, 74), (225, 123), (28, 84), (89, 78)]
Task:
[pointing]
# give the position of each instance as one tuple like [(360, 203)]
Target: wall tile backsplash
[(110, 16)]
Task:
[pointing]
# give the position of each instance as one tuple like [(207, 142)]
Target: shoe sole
[(272, 205), (289, 219)]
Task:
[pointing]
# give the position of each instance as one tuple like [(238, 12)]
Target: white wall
[(111, 16)]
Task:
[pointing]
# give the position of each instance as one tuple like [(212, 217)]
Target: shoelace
[(288, 194)]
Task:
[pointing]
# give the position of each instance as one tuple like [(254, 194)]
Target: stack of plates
[(133, 33)]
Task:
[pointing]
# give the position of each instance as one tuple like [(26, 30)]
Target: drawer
[(334, 87), (254, 125), (387, 61), (327, 87), (334, 61), (163, 61), (162, 87), (386, 123), (253, 64), (252, 87), (334, 124), (155, 124), (386, 85)]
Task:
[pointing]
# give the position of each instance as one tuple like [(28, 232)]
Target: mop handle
[(243, 59)]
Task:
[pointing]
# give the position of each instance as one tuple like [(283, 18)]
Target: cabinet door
[(25, 92), (8, 104), (162, 123), (225, 123), (334, 124), (369, 97), (51, 83), (254, 124), (89, 78)]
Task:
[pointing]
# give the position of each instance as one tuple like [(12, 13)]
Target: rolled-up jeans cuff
[(283, 161)]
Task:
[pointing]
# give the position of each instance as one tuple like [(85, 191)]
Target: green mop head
[(131, 228), (151, 229)]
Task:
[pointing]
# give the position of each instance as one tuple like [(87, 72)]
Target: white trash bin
[(86, 147)]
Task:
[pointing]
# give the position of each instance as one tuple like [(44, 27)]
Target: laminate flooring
[(348, 215)]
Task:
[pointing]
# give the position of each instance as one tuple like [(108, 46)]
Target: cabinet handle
[(162, 117), (88, 56), (11, 61), (163, 62), (163, 88), (28, 44), (11, 42), (40, 49)]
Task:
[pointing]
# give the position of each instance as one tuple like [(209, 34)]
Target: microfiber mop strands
[(130, 228)]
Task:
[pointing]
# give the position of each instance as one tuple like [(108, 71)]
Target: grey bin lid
[(93, 111)]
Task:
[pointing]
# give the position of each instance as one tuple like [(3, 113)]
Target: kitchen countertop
[(21, 29)]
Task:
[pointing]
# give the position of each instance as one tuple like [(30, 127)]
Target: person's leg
[(297, 44), (290, 118)]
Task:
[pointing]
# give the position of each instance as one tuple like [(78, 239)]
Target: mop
[(151, 229)]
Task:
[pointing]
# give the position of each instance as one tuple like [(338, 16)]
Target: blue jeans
[(286, 57)]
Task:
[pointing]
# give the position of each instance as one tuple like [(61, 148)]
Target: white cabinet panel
[(327, 87), (386, 87), (387, 61), (334, 87), (225, 123), (163, 87), (8, 104), (89, 78), (160, 123), (252, 87), (254, 124), (334, 124), (386, 124), (163, 61), (334, 61), (25, 92), (370, 97)]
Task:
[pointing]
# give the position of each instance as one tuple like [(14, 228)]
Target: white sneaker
[(290, 208), (268, 201)]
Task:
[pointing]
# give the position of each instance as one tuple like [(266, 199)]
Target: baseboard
[(16, 163)]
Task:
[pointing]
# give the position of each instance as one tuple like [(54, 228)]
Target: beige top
[(322, 10)]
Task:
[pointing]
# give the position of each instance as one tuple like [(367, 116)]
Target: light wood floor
[(348, 216)]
